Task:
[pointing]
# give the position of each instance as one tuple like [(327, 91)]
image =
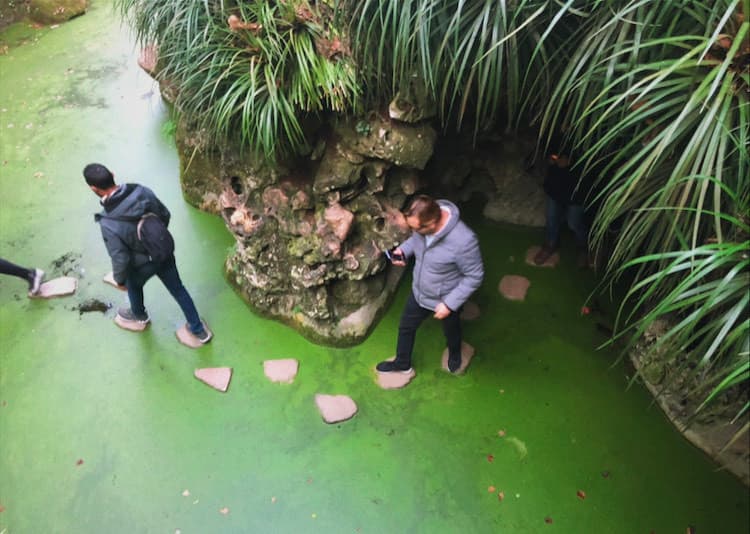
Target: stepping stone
[(514, 287), (552, 261), (470, 311), (110, 279), (335, 408), (394, 380), (283, 371), (133, 326), (467, 353), (58, 287), (216, 377), (187, 338)]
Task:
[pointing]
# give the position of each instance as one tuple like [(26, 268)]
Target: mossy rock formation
[(310, 233), (56, 11)]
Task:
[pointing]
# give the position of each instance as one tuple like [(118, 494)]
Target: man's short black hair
[(98, 175)]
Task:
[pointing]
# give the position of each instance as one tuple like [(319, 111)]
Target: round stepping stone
[(514, 287), (110, 279), (187, 338), (470, 311), (58, 287), (283, 371), (552, 261), (216, 377), (467, 353), (394, 380), (335, 408), (133, 326)]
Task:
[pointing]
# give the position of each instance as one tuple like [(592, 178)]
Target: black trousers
[(12, 269), (411, 318)]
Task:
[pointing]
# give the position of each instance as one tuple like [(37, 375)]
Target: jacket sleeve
[(407, 247), (161, 211), (118, 252), (469, 264)]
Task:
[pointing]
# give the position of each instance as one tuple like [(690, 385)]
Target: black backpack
[(152, 234), (155, 238)]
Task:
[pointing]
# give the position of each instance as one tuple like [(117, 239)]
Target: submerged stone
[(335, 408), (552, 261), (394, 380), (216, 377), (514, 287), (187, 338), (467, 353), (56, 11), (283, 371), (58, 287)]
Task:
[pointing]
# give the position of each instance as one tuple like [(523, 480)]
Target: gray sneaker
[(35, 282), (127, 315), (204, 336)]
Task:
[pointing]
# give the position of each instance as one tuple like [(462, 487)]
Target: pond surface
[(102, 430)]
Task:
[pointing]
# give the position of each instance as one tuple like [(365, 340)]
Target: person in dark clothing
[(448, 268), (564, 200), (33, 276), (131, 265)]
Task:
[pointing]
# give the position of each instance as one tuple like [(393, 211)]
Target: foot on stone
[(544, 254), (126, 314), (454, 364), (36, 277), (393, 367)]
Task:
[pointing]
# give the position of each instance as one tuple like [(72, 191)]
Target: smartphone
[(393, 256)]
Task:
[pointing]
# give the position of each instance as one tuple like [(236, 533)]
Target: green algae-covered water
[(102, 430)]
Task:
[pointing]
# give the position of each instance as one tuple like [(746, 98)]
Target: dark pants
[(411, 318), (12, 269), (555, 212), (167, 273)]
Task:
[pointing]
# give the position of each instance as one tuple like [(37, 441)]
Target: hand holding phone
[(395, 256)]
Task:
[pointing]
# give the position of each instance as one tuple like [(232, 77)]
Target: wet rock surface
[(56, 11), (310, 232)]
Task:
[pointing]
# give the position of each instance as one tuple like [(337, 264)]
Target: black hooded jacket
[(130, 201)]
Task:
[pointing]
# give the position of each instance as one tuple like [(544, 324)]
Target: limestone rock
[(339, 220), (514, 287), (283, 371), (56, 11), (335, 408)]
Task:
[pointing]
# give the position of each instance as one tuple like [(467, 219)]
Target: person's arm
[(161, 211), (469, 264), (119, 253)]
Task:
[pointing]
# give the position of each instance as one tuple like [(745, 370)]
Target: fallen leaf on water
[(2, 508), (491, 489), (490, 458), (224, 510), (581, 494), (500, 495), (309, 480), (273, 499), (548, 520), (314, 516), (502, 391), (186, 493), (38, 174), (690, 530), (79, 462), (196, 501), (605, 474), (501, 433)]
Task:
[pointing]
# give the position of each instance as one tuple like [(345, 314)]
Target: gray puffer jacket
[(120, 237), (450, 269)]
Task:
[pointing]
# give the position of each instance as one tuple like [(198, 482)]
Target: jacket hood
[(125, 202), (454, 218)]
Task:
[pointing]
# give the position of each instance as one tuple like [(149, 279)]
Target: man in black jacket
[(123, 206)]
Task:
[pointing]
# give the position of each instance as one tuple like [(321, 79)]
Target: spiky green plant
[(251, 80)]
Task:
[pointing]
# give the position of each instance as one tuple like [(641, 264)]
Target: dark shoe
[(544, 254), (35, 282), (454, 364), (392, 367), (127, 314), (204, 336)]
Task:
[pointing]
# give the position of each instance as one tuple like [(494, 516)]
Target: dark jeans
[(411, 318), (555, 211), (12, 269), (167, 273)]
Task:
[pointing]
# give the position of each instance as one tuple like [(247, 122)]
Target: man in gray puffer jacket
[(132, 267), (447, 270)]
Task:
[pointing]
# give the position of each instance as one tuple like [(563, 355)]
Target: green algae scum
[(103, 430)]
